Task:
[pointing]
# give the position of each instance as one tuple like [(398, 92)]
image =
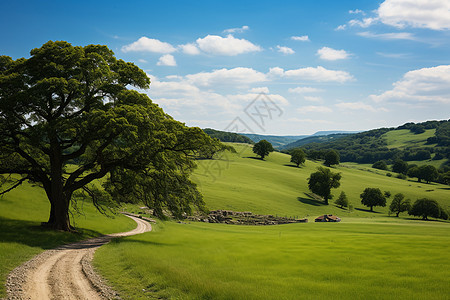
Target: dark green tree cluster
[(399, 204), (230, 137), (322, 181), (371, 197), (428, 208), (297, 156), (370, 146), (67, 118), (262, 148), (381, 165), (342, 200)]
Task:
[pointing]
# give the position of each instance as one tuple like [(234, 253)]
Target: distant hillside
[(410, 142), (313, 139), (282, 141), (276, 140), (224, 136)]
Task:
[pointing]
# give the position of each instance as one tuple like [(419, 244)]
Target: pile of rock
[(243, 218)]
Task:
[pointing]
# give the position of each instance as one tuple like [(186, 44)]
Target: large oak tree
[(68, 118)]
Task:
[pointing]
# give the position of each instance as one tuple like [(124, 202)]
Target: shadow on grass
[(34, 235), (310, 201), (139, 241), (293, 166), (445, 189), (252, 157), (367, 210)]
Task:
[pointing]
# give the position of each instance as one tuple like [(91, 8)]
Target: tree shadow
[(446, 188), (34, 235), (310, 201), (252, 157), (293, 166), (367, 210)]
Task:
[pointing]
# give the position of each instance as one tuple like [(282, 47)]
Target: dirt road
[(65, 272)]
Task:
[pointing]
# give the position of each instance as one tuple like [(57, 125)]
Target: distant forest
[(370, 146), (227, 136)]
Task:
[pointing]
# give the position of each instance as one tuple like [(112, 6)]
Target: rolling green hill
[(410, 142), (240, 182)]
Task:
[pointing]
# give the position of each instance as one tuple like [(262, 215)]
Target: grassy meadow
[(21, 236), (240, 182), (367, 256), (382, 258)]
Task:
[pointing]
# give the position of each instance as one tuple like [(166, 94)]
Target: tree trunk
[(61, 216), (371, 208), (397, 214)]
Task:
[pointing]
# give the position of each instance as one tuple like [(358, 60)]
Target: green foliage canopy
[(67, 119), (298, 156), (331, 158), (342, 200), (426, 208), (399, 204), (262, 148), (373, 197), (322, 181)]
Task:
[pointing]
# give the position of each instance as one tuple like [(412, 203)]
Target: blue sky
[(322, 65)]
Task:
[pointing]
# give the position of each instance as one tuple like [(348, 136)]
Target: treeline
[(370, 146), (230, 137)]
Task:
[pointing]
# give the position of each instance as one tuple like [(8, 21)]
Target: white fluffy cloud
[(303, 90), (236, 76), (427, 84), (239, 29), (145, 44), (319, 73), (303, 38), (432, 14), (285, 50), (332, 54), (358, 106), (388, 36), (167, 60), (314, 108), (214, 44), (259, 90), (189, 48)]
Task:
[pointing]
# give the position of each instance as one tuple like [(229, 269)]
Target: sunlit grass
[(360, 259), (275, 186)]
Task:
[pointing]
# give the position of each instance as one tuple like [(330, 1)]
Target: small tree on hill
[(298, 156), (399, 204), (428, 173), (381, 165), (262, 148), (331, 158), (342, 200), (400, 166), (373, 197), (322, 181), (425, 208)]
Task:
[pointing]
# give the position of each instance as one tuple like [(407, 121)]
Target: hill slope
[(410, 142), (240, 182)]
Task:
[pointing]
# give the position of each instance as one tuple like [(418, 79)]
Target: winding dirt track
[(66, 272)]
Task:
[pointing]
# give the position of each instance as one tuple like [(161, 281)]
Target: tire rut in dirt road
[(65, 272)]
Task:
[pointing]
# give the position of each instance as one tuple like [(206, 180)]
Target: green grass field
[(403, 138), (367, 256), (22, 237), (383, 258), (275, 186)]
